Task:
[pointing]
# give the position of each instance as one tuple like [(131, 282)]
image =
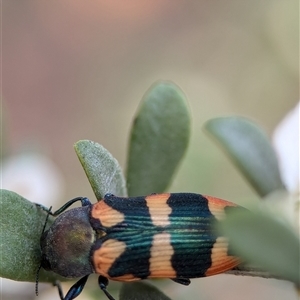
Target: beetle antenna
[(40, 266), (37, 280), (47, 217)]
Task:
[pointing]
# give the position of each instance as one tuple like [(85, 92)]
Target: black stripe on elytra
[(135, 259), (192, 238)]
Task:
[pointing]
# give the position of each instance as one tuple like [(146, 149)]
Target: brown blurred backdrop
[(76, 70)]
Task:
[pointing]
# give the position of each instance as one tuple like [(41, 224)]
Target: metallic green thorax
[(66, 245)]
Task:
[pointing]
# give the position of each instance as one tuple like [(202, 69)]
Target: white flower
[(36, 178), (33, 176), (286, 143)]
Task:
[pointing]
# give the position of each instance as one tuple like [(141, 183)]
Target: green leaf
[(264, 241), (141, 290), (250, 150), (102, 169), (159, 139), (22, 224)]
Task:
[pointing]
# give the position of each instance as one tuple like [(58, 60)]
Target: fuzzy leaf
[(102, 169), (250, 150), (141, 290), (159, 139), (22, 223), (261, 239)]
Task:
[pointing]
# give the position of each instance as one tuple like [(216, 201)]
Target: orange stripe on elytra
[(106, 215), (161, 254), (105, 256), (221, 261), (216, 206), (126, 277), (159, 209)]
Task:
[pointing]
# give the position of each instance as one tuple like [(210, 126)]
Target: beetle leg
[(74, 291), (103, 283), (59, 288), (184, 281)]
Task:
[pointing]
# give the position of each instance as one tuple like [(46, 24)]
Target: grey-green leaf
[(102, 169), (159, 138), (249, 148), (22, 224), (261, 239), (141, 290)]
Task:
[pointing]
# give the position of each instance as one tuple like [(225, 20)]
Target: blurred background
[(76, 70)]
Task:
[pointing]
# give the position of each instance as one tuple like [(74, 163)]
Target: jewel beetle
[(168, 235)]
